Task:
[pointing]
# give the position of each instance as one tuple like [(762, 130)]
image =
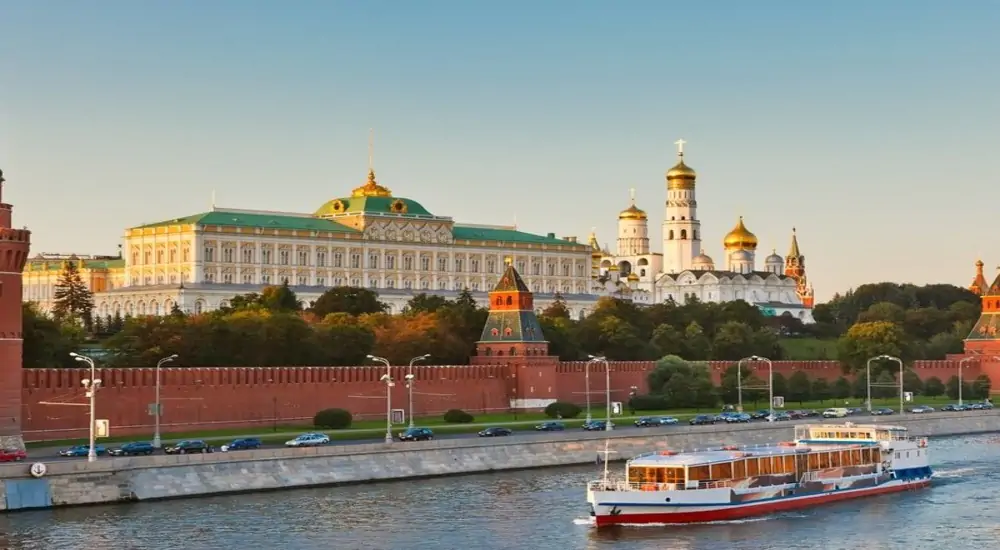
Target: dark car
[(781, 417), (244, 444), (550, 427), (760, 415), (702, 419), (597, 426), (134, 448), (496, 432), (954, 408), (189, 446), (416, 434), (884, 411), (649, 421)]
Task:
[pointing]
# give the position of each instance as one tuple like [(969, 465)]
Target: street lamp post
[(387, 378), (739, 384), (868, 380), (770, 385), (868, 374), (607, 391), (409, 384), (91, 385), (156, 429), (586, 380), (900, 361)]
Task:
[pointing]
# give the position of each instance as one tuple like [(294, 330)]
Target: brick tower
[(14, 245), (985, 336), (795, 267), (513, 337)]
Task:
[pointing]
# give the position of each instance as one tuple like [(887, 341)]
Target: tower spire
[(631, 194), (371, 150)]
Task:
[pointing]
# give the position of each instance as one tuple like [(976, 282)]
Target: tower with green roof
[(512, 328)]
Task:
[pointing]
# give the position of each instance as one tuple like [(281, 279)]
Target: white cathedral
[(683, 270)]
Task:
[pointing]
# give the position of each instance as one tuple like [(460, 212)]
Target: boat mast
[(606, 452)]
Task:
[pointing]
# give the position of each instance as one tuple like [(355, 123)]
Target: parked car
[(738, 418), (496, 432), (702, 419), (82, 450), (550, 427), (416, 434), (649, 421), (760, 415), (836, 413), (134, 448), (308, 440), (597, 426), (921, 409), (188, 446), (954, 408), (883, 411), (12, 455), (781, 417), (244, 444)]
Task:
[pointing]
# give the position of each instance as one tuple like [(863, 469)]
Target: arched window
[(489, 352), (495, 332), (510, 301), (513, 350), (507, 332), (671, 235), (499, 301), (684, 234)]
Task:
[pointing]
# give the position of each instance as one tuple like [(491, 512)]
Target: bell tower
[(681, 228), (14, 246)]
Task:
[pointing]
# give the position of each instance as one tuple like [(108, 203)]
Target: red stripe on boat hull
[(750, 510)]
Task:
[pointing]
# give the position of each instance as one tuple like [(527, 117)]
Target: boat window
[(788, 467), (698, 473), (753, 467), (722, 470), (740, 469)]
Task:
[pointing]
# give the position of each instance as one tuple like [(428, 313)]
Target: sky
[(869, 126)]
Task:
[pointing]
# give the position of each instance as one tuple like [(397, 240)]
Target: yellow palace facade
[(372, 239)]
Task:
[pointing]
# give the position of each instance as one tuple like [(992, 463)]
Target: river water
[(533, 510)]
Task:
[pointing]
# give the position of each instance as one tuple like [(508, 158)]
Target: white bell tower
[(681, 228)]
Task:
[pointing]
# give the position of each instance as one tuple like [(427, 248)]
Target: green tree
[(732, 381), (883, 311), (822, 391), (47, 342), (912, 382), (841, 388), (866, 340), (952, 388), (682, 384), (71, 297), (425, 303), (799, 387), (667, 340), (557, 309), (934, 387), (885, 385), (280, 298), (981, 387), (697, 345), (561, 335), (348, 299), (733, 340)]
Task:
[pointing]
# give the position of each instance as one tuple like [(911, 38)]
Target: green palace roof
[(261, 220), (372, 205), (56, 264)]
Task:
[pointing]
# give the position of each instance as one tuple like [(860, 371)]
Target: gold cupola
[(633, 212), (740, 238), (681, 176), (371, 188)]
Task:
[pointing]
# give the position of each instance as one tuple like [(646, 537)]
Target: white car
[(308, 440)]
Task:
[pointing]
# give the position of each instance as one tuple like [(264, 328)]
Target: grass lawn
[(808, 349), (374, 429)]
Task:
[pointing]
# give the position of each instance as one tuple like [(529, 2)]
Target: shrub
[(457, 416), (562, 409), (334, 419), (650, 403)]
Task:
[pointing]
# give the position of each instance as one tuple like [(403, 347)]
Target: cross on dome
[(680, 146)]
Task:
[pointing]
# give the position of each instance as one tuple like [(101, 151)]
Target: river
[(532, 510)]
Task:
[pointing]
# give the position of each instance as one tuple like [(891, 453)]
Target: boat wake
[(591, 522), (957, 472)]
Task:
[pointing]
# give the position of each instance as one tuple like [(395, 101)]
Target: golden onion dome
[(632, 213), (681, 176), (740, 238), (613, 268), (632, 277)]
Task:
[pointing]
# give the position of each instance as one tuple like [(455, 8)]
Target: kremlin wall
[(217, 398)]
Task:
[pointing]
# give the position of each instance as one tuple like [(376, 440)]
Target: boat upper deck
[(728, 454)]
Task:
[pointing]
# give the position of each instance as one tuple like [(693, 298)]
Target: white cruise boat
[(825, 463)]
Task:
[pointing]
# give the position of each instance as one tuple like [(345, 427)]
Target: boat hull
[(642, 513)]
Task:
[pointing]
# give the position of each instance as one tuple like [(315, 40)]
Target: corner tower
[(985, 336), (14, 246), (512, 328), (681, 228)]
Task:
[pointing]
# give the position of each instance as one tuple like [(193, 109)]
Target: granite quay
[(162, 477)]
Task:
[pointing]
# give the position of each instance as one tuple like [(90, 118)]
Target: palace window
[(458, 265), (248, 278), (373, 283), (425, 285), (474, 266), (303, 257), (491, 266), (425, 263), (390, 261), (670, 234), (408, 262), (303, 280), (443, 263), (320, 281), (209, 254), (148, 257), (552, 269), (355, 261), (227, 278), (373, 261), (159, 279), (390, 283), (159, 256), (442, 285), (248, 255), (283, 257), (536, 268), (338, 281), (135, 258), (210, 277), (173, 279), (579, 270), (520, 266), (228, 254), (684, 234), (407, 284), (356, 282), (265, 256), (565, 270), (338, 259), (265, 279), (475, 286), (321, 259)]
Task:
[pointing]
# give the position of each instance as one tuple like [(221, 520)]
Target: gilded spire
[(793, 251), (371, 188), (633, 212), (681, 176)]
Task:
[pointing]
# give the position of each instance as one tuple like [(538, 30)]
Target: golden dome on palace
[(632, 213), (681, 176), (632, 277), (740, 238)]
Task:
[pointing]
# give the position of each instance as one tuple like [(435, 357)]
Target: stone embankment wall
[(70, 483)]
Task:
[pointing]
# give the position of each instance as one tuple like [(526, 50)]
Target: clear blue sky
[(871, 126)]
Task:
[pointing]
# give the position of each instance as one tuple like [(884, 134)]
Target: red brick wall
[(210, 398)]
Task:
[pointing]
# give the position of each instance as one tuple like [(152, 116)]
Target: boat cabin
[(848, 433), (771, 465)]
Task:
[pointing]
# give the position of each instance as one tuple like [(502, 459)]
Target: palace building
[(370, 238), (684, 270)]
